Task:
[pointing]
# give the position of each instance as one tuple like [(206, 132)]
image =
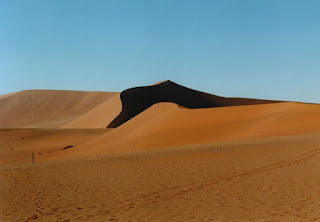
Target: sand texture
[(177, 160), (274, 179)]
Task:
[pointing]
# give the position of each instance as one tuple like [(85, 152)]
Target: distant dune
[(136, 100), (100, 116), (50, 108)]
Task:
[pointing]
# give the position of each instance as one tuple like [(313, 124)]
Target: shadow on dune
[(138, 99)]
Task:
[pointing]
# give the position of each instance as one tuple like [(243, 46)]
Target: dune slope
[(167, 125), (47, 108), (99, 116), (17, 145)]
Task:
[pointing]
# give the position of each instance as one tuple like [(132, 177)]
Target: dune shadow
[(136, 100)]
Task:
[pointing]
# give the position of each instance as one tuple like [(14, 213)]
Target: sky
[(268, 49)]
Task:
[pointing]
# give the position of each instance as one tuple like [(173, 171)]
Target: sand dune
[(238, 160), (100, 116), (7, 95), (136, 100), (159, 126), (167, 125), (48, 108)]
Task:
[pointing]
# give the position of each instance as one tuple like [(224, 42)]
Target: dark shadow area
[(67, 147), (138, 99)]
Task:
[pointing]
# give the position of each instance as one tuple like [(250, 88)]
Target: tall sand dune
[(48, 108), (138, 99), (167, 125)]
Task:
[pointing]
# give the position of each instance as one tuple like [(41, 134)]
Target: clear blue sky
[(243, 48)]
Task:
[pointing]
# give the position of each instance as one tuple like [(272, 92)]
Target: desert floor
[(271, 179)]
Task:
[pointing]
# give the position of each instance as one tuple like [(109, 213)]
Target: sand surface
[(168, 163), (167, 125), (274, 179), (99, 117), (17, 145), (48, 108)]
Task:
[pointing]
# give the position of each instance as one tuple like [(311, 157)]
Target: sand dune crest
[(138, 99)]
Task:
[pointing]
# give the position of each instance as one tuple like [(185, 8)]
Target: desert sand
[(48, 108), (232, 160)]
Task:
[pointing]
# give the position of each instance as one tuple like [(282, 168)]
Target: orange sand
[(273, 179), (239, 163), (167, 125), (99, 117), (48, 108)]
